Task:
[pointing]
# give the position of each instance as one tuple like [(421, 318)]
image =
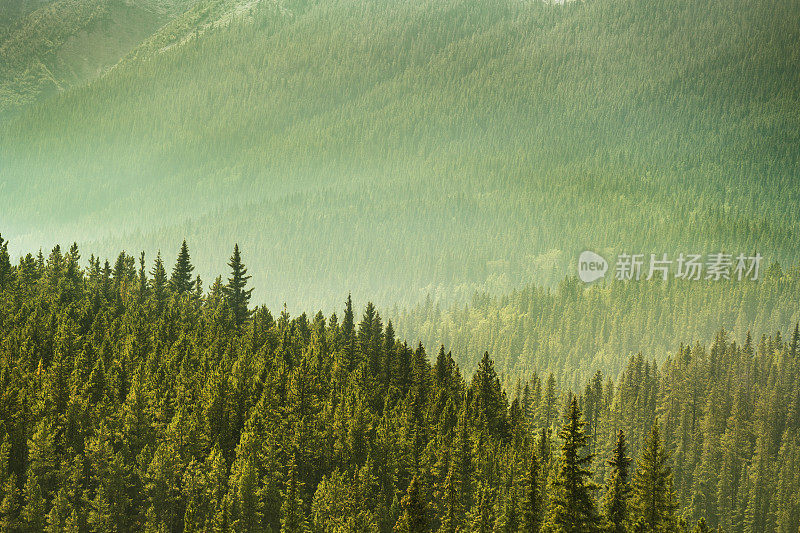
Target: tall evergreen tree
[(10, 506), (572, 504), (480, 516), (292, 519), (181, 279), (653, 506), (532, 504), (349, 335), (452, 511), (508, 520), (34, 514), (615, 507), (5, 263), (237, 296), (159, 282), (414, 518)]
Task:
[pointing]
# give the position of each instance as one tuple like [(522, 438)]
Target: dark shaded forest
[(135, 398)]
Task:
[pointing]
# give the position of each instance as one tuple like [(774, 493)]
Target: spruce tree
[(181, 280), (480, 517), (414, 518), (615, 508), (451, 505), (463, 462), (508, 520), (572, 505), (5, 263), (532, 502), (60, 512), (292, 519), (490, 400), (159, 282), (34, 514), (348, 332), (236, 295), (142, 279), (653, 505), (10, 506)]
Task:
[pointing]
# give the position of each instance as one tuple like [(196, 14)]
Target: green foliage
[(653, 498), (237, 297), (181, 280), (574, 330), (418, 148), (615, 506), (48, 46), (533, 503), (572, 505), (129, 407), (414, 518)]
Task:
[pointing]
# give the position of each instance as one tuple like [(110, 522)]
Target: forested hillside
[(427, 147), (574, 330), (49, 46), (132, 399)]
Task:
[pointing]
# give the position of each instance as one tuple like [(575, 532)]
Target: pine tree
[(532, 502), (615, 506), (10, 506), (480, 517), (59, 515), (572, 505), (181, 280), (236, 295), (163, 490), (463, 463), (244, 506), (452, 511), (653, 505), (414, 518), (292, 519), (5, 263), (159, 282), (142, 289), (548, 409), (490, 400), (508, 520), (349, 335), (34, 514)]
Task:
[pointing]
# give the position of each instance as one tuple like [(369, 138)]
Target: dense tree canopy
[(123, 410)]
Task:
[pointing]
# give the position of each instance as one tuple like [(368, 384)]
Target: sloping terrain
[(399, 149), (50, 46)]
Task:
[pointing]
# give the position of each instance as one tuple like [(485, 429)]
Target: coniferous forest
[(327, 267), (136, 397)]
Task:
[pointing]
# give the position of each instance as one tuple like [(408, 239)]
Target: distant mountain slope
[(49, 46), (12, 11), (397, 149), (66, 43)]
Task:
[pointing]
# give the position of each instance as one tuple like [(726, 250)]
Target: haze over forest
[(400, 150), (443, 162)]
